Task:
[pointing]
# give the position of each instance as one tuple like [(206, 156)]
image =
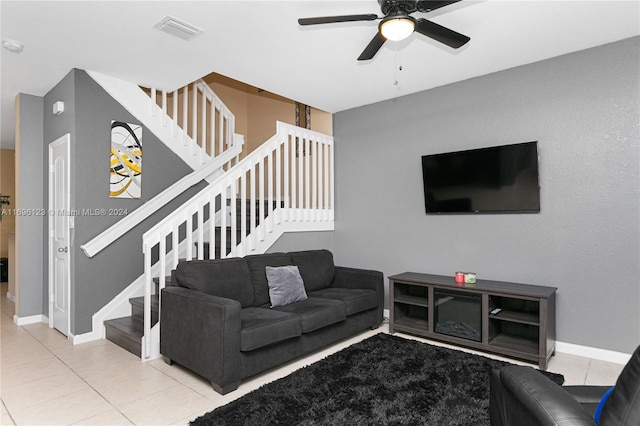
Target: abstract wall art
[(125, 162)]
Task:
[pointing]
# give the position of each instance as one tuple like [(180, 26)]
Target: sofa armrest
[(528, 398), (362, 279), (201, 332)]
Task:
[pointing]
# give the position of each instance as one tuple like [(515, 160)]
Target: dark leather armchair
[(521, 396)]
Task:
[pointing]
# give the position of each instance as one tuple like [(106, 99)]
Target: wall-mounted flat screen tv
[(499, 179)]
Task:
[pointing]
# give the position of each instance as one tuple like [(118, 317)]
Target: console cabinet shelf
[(510, 319)]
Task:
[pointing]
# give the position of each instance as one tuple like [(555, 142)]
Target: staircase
[(218, 253), (285, 185), (127, 332)]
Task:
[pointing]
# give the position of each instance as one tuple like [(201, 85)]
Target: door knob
[(62, 249)]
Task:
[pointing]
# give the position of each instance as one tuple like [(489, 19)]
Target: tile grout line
[(77, 375), (49, 350), (32, 362), (177, 383), (8, 413)]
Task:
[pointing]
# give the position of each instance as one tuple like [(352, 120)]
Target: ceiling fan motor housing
[(410, 6), (393, 6)]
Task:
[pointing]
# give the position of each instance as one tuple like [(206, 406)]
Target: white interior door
[(59, 215)]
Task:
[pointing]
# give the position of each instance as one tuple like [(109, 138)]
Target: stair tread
[(131, 326)]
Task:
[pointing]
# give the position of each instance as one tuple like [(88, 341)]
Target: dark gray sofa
[(217, 320)]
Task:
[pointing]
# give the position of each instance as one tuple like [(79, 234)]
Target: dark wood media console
[(510, 319)]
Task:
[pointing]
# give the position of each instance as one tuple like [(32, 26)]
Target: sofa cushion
[(229, 278), (285, 285), (316, 267), (315, 313), (355, 300), (257, 264), (262, 327)]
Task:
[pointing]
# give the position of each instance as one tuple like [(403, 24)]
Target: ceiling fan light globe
[(397, 28)]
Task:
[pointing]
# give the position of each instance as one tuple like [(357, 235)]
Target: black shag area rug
[(383, 380)]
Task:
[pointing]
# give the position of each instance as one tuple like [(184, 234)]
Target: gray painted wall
[(89, 111), (29, 181), (298, 241), (54, 127), (583, 109)]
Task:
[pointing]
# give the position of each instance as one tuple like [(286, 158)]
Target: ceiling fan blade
[(429, 5), (333, 19), (372, 48), (441, 34)]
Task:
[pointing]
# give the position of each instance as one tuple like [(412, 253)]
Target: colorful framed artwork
[(125, 163)]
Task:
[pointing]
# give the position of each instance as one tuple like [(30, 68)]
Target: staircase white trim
[(118, 307), (151, 116), (193, 152), (265, 238)]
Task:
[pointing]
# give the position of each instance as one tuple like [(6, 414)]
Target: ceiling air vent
[(178, 28)]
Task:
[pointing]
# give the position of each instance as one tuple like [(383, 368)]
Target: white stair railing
[(198, 116), (207, 132), (284, 185), (172, 117)]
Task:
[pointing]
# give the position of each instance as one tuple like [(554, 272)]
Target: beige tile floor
[(44, 380)]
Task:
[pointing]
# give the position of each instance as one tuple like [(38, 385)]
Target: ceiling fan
[(397, 24)]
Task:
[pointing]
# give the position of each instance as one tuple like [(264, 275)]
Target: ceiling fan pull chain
[(398, 67)]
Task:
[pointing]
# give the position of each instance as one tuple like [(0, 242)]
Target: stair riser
[(123, 340), (138, 312)]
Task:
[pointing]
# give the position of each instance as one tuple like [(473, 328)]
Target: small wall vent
[(178, 28)]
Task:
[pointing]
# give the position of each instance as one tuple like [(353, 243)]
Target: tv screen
[(499, 179)]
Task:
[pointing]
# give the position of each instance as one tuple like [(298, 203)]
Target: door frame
[(63, 140)]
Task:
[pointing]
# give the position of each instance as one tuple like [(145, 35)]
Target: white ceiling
[(261, 43)]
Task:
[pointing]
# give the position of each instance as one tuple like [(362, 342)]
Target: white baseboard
[(98, 332), (33, 319), (591, 352), (86, 337)]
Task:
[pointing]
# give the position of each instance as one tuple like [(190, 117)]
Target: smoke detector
[(12, 45), (178, 28)]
